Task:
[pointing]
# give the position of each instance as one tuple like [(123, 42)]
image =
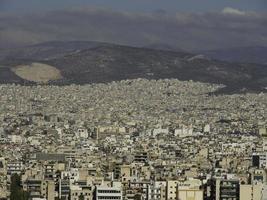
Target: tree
[(81, 197), (16, 191), (137, 197)]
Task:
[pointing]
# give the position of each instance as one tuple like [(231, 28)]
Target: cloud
[(232, 11), (182, 30), (2, 4)]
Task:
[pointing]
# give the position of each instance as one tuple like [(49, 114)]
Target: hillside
[(106, 62), (240, 54)]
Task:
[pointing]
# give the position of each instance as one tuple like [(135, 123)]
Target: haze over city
[(188, 25), (133, 100)]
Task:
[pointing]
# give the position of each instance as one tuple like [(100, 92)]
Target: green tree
[(16, 191), (137, 197), (81, 197)]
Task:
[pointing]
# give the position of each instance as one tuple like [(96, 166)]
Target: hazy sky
[(134, 5), (185, 24)]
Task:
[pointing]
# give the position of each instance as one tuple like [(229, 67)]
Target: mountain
[(239, 54), (47, 50), (100, 62), (164, 47)]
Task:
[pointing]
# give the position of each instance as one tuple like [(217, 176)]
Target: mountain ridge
[(252, 54), (103, 62)]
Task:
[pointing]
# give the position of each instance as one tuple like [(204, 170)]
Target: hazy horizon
[(184, 25)]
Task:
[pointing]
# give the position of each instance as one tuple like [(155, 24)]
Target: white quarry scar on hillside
[(37, 72)]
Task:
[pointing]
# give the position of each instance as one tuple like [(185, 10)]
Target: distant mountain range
[(256, 54), (240, 54), (93, 62), (47, 50)]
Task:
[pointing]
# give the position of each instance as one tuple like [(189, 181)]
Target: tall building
[(64, 189), (38, 188), (225, 189), (157, 191)]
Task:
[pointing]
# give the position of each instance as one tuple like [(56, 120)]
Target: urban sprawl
[(134, 139)]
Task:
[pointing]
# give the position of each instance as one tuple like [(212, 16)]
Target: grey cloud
[(182, 30), (233, 11), (2, 4)]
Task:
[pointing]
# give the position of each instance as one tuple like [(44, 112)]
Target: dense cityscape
[(134, 139)]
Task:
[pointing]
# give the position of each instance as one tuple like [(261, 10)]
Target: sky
[(184, 24), (19, 6)]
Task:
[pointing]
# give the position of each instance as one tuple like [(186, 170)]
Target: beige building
[(171, 189), (157, 191), (50, 190), (184, 190), (190, 194), (78, 192), (251, 192), (126, 170)]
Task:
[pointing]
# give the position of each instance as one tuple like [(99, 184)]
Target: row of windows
[(108, 198), (76, 194), (109, 191), (84, 198)]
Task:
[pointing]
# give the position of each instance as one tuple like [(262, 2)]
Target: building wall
[(171, 190), (190, 194), (50, 190), (251, 192), (245, 192), (108, 193), (75, 194)]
